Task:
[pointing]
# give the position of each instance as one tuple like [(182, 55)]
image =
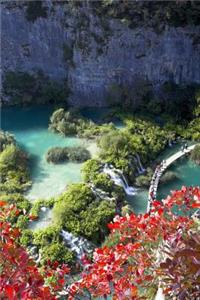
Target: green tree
[(195, 154)]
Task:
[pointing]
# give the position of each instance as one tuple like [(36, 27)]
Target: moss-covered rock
[(60, 155)]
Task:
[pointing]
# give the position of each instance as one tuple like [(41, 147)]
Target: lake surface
[(30, 127), (187, 172)]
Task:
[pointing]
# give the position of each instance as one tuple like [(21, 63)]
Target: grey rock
[(125, 54)]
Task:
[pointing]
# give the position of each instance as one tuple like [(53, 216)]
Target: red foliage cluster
[(161, 248), (133, 267), (20, 278)]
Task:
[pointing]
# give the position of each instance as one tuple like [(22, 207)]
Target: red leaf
[(10, 292), (195, 205)]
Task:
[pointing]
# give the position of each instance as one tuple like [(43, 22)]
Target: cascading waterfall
[(139, 164), (100, 193), (119, 179), (136, 164), (79, 245)]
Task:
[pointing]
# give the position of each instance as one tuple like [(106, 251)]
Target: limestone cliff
[(92, 53)]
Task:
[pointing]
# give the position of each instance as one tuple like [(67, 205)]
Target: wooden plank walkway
[(159, 171)]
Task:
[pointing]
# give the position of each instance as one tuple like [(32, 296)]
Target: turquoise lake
[(30, 127), (187, 172)]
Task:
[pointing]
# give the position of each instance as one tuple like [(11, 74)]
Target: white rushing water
[(119, 179), (78, 245), (141, 168)]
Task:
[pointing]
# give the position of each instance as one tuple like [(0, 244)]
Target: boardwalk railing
[(159, 171)]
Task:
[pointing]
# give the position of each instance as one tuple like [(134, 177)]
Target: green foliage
[(44, 237), (121, 147), (22, 221), (18, 199), (90, 169), (78, 211), (195, 154), (129, 96), (78, 154), (144, 180), (34, 10), (57, 252), (114, 143), (51, 245), (14, 170), (52, 92), (60, 155), (6, 139), (25, 88), (19, 81), (57, 155), (103, 182), (111, 240), (67, 123), (92, 172), (126, 209), (139, 13), (26, 237), (192, 131), (168, 176), (178, 100), (36, 206), (71, 123)]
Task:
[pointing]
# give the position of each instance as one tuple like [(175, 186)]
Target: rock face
[(93, 55)]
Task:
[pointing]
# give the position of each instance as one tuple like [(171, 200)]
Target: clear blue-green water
[(30, 127), (187, 172)]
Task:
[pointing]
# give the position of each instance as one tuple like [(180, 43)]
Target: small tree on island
[(195, 154)]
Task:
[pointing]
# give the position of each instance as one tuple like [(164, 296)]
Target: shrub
[(78, 211), (44, 237), (78, 154), (164, 242), (60, 155), (91, 169), (57, 155), (168, 176), (17, 199), (71, 123), (22, 221), (195, 154), (14, 170), (144, 180), (26, 237), (57, 252), (6, 139), (68, 122), (36, 206), (24, 88)]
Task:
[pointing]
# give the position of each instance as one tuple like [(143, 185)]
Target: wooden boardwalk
[(159, 171)]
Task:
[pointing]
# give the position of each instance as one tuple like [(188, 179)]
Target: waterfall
[(170, 143), (136, 161), (140, 168), (100, 193), (79, 245), (119, 179)]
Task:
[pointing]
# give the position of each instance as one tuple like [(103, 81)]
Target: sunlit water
[(30, 127), (187, 172)]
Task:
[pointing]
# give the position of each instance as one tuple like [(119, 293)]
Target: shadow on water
[(25, 118)]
